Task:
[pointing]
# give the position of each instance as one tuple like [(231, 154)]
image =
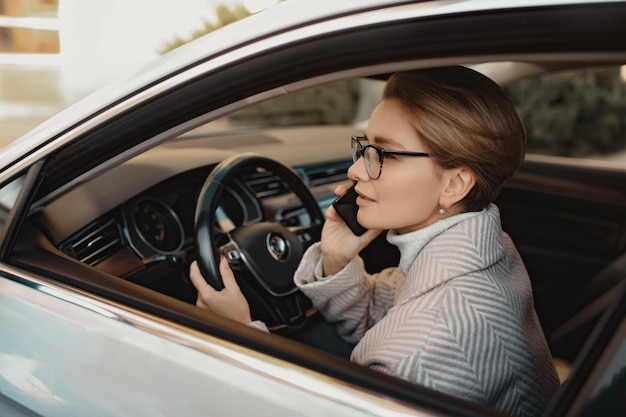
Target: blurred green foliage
[(573, 113), (225, 16)]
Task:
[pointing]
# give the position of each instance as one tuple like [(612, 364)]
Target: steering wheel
[(264, 255)]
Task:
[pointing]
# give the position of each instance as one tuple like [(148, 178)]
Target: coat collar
[(449, 248)]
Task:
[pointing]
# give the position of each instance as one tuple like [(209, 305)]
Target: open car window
[(347, 102)]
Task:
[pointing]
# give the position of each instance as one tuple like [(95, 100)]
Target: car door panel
[(63, 353)]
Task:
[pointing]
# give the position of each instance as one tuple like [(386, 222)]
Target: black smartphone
[(347, 208)]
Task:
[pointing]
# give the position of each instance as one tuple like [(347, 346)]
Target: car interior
[(128, 228)]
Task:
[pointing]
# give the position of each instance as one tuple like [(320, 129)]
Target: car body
[(97, 315)]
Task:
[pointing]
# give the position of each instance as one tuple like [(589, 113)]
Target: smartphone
[(347, 208)]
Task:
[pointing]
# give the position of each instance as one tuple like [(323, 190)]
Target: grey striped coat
[(456, 316)]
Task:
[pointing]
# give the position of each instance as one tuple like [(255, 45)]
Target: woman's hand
[(228, 302), (339, 245)]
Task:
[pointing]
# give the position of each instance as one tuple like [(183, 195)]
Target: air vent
[(265, 184), (95, 243), (321, 174)]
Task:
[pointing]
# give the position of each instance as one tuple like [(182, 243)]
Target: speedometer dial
[(153, 228)]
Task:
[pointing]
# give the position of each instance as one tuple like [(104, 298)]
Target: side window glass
[(576, 113), (8, 196)]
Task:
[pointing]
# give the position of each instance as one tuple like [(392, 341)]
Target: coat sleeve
[(352, 298)]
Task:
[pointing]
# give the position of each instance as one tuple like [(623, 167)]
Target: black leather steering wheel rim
[(209, 199)]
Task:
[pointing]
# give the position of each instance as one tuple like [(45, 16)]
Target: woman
[(457, 314)]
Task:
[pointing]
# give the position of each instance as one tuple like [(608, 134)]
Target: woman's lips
[(363, 199)]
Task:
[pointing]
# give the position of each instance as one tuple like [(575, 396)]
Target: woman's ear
[(457, 184)]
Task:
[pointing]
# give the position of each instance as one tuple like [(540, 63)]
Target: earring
[(443, 211)]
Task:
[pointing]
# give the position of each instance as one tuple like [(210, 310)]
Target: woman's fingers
[(340, 190), (228, 278), (197, 279), (229, 302)]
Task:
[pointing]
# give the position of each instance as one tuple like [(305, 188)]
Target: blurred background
[(54, 52)]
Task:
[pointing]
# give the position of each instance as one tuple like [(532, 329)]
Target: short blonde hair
[(464, 119)]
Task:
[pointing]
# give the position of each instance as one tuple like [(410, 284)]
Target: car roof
[(302, 16)]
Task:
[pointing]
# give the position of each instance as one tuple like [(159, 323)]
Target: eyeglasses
[(374, 155)]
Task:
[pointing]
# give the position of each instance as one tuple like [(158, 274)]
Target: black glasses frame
[(358, 150)]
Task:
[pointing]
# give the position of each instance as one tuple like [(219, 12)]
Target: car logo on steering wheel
[(277, 246)]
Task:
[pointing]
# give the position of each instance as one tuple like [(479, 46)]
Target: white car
[(244, 134)]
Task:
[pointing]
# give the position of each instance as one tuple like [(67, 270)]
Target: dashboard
[(150, 238)]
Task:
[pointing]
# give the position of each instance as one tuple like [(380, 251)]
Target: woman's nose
[(357, 171)]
